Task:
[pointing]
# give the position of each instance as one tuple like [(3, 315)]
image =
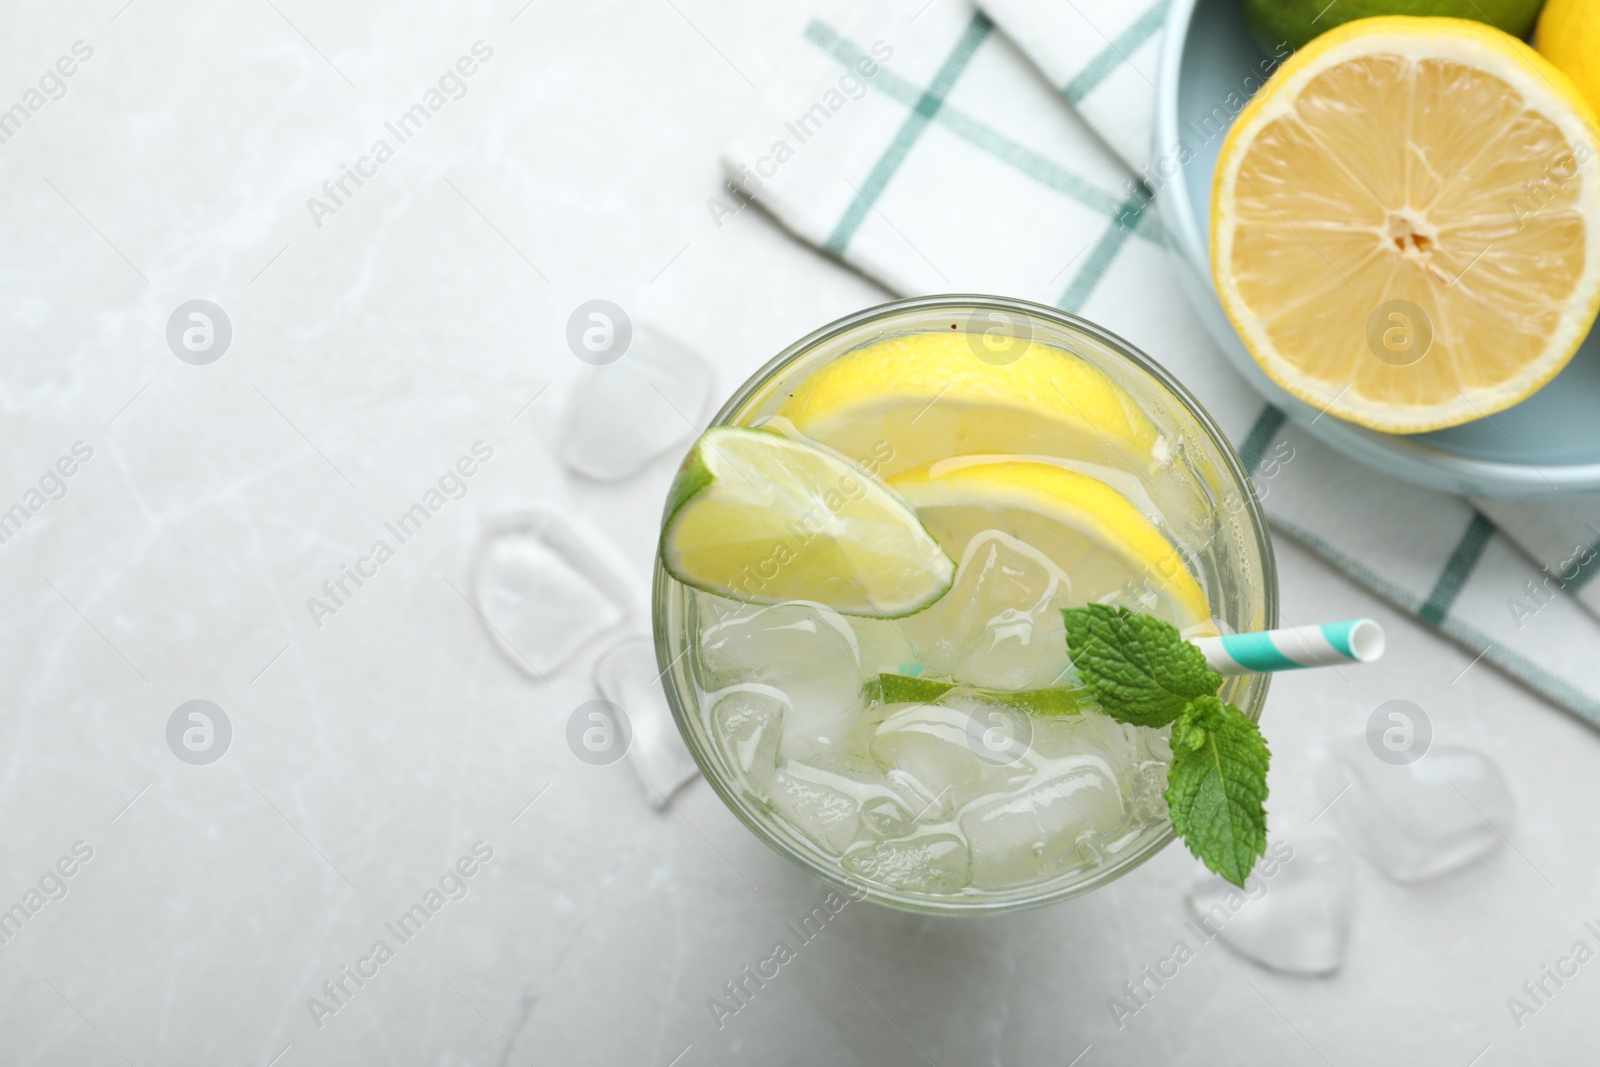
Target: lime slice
[(904, 689), (1088, 529), (764, 519)]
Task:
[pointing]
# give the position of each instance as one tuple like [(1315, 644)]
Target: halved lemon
[(764, 519), (1569, 37), (1406, 223), (912, 399), (1104, 544)]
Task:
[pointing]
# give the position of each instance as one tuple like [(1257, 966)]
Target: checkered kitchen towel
[(1101, 55), (924, 149)]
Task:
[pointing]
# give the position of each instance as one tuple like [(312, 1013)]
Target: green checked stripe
[(1266, 427), (1457, 569), (1531, 674), (1115, 53), (1025, 161), (1586, 571), (926, 108), (1105, 250)]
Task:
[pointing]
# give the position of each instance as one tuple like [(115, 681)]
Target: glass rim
[(834, 874)]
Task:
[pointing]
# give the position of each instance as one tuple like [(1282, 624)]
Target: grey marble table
[(378, 330)]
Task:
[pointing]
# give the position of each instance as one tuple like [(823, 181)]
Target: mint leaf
[(1217, 787), (1139, 669)]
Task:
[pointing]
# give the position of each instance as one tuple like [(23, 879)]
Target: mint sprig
[(1139, 668), (1141, 671)]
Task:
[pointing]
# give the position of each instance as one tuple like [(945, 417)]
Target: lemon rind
[(1497, 52)]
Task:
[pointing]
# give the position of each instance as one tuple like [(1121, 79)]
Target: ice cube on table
[(623, 415), (626, 674), (1423, 819), (805, 651), (747, 721), (1050, 827), (1293, 915), (931, 745), (1000, 626), (816, 806), (545, 587), (931, 862)]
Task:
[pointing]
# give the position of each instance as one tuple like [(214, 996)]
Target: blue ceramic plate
[(1548, 445)]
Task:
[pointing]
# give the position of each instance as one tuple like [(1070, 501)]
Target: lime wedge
[(904, 689), (765, 519)]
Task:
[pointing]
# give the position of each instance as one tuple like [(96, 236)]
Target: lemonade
[(863, 570)]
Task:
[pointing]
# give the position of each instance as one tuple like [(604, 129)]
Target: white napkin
[(924, 149), (1101, 55)]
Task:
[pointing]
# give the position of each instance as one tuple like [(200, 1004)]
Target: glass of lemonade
[(1056, 466)]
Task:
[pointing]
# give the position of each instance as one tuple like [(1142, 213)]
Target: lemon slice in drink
[(1406, 223), (764, 519), (911, 399), (1092, 532)]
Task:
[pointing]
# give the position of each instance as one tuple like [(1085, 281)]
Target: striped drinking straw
[(1331, 643)]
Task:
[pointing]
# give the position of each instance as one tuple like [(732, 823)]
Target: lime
[(764, 519), (1060, 700), (1296, 22)]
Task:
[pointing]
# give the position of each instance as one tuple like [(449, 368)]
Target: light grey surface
[(1544, 446), (369, 755)]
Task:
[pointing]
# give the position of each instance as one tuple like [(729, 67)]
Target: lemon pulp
[(1406, 223)]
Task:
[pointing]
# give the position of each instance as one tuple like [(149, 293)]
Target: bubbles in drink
[(747, 721), (931, 745), (919, 796), (805, 651), (1000, 626), (1027, 837), (929, 862), (816, 806)]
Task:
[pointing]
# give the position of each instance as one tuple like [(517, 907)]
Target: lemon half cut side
[(1406, 223)]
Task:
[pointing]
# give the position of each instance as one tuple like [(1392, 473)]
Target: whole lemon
[(1296, 22), (1569, 37)]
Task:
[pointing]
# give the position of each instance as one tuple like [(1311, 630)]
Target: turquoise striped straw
[(1332, 643)]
